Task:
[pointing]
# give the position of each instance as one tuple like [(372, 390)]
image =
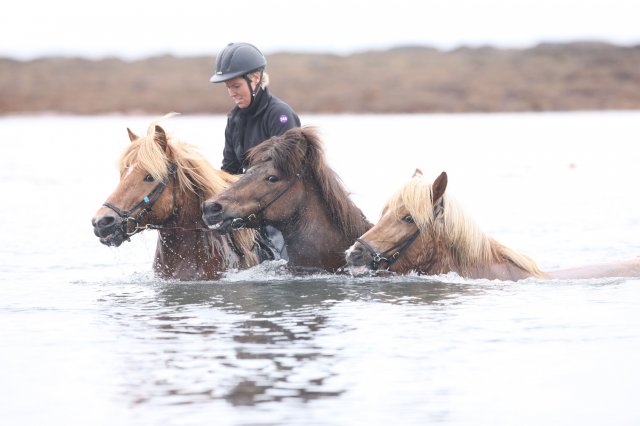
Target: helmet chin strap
[(253, 91)]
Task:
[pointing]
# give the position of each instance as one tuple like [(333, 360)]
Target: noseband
[(241, 222), (145, 205), (387, 256)]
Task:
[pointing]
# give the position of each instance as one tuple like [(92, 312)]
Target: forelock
[(286, 152)]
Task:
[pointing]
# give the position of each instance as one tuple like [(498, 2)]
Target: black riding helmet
[(237, 59)]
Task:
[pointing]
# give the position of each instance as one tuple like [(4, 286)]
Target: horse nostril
[(212, 208), (354, 253), (104, 225), (103, 222)]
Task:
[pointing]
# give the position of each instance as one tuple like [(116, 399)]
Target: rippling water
[(89, 336)]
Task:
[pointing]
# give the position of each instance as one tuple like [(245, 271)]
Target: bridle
[(398, 248), (145, 205), (241, 222), (387, 256)]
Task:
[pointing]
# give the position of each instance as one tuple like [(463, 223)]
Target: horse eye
[(273, 179), (408, 218), (148, 178)]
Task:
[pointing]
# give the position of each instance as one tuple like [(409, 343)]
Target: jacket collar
[(258, 105)]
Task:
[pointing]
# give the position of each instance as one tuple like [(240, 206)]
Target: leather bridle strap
[(241, 222), (400, 246), (391, 254), (145, 205)]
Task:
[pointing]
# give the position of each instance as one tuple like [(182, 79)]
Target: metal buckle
[(126, 227), (238, 223)]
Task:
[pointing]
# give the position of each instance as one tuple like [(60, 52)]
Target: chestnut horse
[(290, 187), (424, 230), (162, 186)]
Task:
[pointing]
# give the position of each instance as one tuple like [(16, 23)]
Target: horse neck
[(430, 255), (312, 238), (511, 265), (189, 211), (185, 247), (497, 264)]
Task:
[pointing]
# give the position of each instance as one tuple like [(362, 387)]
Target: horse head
[(146, 193), (290, 186), (269, 189), (408, 216)]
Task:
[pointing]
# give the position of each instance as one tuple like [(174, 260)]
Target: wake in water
[(278, 271)]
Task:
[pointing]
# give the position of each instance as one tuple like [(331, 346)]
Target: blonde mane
[(471, 247), (154, 153), (193, 170)]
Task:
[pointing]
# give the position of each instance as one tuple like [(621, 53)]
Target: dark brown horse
[(162, 186), (424, 230), (290, 186)]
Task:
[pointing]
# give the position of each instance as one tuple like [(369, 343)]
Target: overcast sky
[(138, 28)]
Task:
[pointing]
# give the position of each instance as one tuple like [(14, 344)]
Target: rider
[(257, 116)]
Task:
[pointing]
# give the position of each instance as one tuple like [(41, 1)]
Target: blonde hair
[(265, 77)]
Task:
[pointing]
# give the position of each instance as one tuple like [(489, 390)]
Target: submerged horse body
[(422, 229), (162, 186), (290, 186)]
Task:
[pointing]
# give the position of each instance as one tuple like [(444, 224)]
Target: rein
[(146, 204), (241, 222), (173, 228), (385, 255)]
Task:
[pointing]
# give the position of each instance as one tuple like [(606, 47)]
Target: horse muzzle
[(359, 260), (214, 217), (109, 229)]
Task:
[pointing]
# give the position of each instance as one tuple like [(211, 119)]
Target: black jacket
[(266, 117)]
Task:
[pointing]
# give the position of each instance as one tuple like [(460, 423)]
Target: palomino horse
[(424, 230), (290, 186), (162, 186)]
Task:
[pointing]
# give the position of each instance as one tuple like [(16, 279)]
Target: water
[(89, 336)]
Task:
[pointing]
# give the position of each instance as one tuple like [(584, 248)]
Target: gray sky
[(138, 28)]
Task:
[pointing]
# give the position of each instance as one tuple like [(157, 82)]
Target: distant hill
[(548, 77)]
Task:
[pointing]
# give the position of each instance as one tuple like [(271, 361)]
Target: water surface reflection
[(253, 342)]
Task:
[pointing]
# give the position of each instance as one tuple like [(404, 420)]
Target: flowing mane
[(157, 150), (471, 247), (422, 229), (300, 151), (194, 172)]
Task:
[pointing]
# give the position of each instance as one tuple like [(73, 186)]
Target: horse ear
[(161, 137), (132, 136), (438, 187), (417, 173)]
